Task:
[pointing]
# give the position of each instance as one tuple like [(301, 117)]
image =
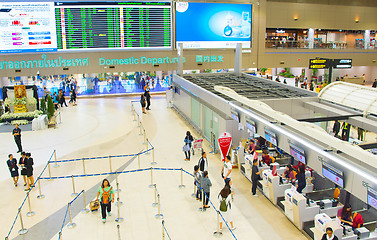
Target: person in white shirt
[(203, 163), (226, 171), (226, 199)]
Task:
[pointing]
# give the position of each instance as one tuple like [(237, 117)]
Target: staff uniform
[(23, 168), (148, 98), (13, 168), (301, 182), (17, 138), (29, 166), (326, 237)]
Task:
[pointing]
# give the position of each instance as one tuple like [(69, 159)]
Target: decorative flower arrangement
[(8, 115), (7, 102), (20, 101), (31, 101), (19, 122)]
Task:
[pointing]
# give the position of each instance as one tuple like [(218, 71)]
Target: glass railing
[(318, 45)]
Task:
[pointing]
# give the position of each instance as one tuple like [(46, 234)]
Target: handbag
[(186, 147)]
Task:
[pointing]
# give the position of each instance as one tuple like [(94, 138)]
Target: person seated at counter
[(251, 148), (329, 235), (345, 215), (357, 220), (289, 173), (267, 159)]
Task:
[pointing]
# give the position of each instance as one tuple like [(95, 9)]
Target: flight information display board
[(27, 27), (113, 25)]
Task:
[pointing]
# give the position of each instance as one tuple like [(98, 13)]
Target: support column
[(238, 60), (180, 59), (311, 37), (367, 39)]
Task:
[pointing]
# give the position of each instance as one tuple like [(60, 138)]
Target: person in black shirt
[(255, 177), (22, 163), (336, 128), (301, 181), (374, 85), (147, 97), (29, 171), (142, 102), (17, 137), (13, 168), (188, 140)]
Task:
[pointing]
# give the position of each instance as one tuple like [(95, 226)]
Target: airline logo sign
[(319, 63), (225, 141)]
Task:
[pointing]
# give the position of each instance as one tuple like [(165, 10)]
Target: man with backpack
[(203, 163)]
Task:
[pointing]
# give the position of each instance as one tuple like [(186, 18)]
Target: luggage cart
[(197, 145)]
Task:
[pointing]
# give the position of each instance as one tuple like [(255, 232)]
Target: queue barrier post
[(60, 235), (202, 208), (119, 219), (117, 183), (153, 162), (40, 196), (159, 215), (194, 193), (83, 165), (138, 121), (49, 171), (84, 210), (163, 230), (218, 233), (118, 231), (111, 169), (155, 196), (30, 213), (74, 194), (141, 126), (56, 164), (23, 230), (118, 203), (138, 160), (71, 224), (152, 185), (145, 142), (182, 185)]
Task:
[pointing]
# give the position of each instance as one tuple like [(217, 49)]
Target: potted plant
[(263, 71)]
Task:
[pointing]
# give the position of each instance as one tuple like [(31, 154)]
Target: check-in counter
[(276, 189), (301, 211)]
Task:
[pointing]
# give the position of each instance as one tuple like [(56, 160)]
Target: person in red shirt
[(266, 158), (357, 220)]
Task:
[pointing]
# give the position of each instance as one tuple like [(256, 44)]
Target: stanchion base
[(147, 153), (202, 209), (23, 231), (119, 219), (74, 194), (159, 216), (30, 214), (85, 211), (56, 166), (151, 185), (118, 190), (71, 225), (140, 134), (144, 143), (154, 204), (193, 195), (118, 203), (41, 196), (153, 163), (218, 234), (181, 186)]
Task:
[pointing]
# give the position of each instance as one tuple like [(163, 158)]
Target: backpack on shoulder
[(223, 205)]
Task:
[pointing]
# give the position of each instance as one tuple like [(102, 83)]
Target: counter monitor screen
[(297, 153), (27, 27), (270, 137), (251, 125), (113, 25), (372, 197), (235, 115), (332, 174), (213, 25)]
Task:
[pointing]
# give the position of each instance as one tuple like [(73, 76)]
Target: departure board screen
[(113, 25)]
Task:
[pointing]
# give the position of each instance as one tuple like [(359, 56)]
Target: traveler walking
[(374, 85), (106, 195), (206, 184), (17, 137), (142, 102), (187, 147), (13, 169), (226, 198), (336, 128), (255, 176), (147, 97)]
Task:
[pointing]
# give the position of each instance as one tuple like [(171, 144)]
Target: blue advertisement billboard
[(213, 25)]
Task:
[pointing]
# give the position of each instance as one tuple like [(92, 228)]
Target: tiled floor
[(102, 127)]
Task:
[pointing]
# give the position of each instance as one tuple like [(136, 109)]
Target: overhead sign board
[(342, 63), (319, 63)]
